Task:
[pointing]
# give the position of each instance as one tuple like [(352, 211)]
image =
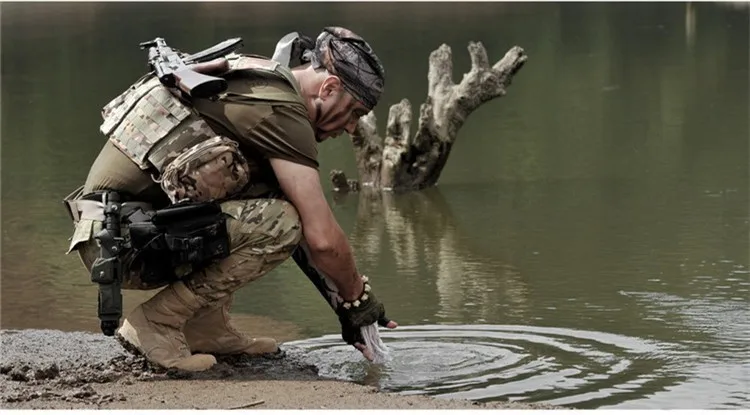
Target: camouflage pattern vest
[(162, 134)]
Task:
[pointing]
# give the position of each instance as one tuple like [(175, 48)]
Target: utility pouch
[(183, 234)]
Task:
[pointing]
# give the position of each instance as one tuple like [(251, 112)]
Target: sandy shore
[(50, 369)]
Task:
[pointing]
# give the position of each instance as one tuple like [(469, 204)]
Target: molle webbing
[(151, 125)]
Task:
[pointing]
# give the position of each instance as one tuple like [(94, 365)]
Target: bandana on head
[(344, 54)]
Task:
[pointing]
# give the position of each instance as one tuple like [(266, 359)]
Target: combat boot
[(210, 331), (154, 329)]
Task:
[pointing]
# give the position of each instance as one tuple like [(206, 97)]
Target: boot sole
[(277, 355)]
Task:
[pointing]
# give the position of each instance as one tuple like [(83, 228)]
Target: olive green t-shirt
[(264, 130)]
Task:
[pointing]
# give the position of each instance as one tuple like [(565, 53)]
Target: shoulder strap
[(258, 65)]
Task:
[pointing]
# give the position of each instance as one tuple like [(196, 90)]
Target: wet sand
[(50, 369)]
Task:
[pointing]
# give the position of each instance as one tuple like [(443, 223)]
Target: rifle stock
[(214, 67), (198, 85)]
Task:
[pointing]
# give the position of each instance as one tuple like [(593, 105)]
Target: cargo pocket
[(83, 232)]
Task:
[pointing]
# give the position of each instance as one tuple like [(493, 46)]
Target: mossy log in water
[(403, 162)]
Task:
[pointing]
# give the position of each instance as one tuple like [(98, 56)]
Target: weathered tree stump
[(402, 162)]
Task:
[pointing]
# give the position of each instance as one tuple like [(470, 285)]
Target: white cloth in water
[(375, 344)]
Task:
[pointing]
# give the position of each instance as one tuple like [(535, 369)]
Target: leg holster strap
[(90, 206)]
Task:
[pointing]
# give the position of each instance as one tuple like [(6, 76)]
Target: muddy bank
[(69, 370)]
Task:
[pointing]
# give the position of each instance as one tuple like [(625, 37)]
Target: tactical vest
[(156, 128)]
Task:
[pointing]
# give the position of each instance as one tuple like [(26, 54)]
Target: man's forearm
[(329, 249), (337, 263)]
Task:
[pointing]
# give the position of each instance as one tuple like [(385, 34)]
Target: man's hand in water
[(353, 335), (362, 313)]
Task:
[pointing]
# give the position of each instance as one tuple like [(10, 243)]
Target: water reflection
[(422, 234)]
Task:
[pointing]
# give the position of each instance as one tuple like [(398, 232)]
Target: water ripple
[(500, 363)]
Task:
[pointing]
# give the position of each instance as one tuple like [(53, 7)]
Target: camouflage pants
[(263, 233)]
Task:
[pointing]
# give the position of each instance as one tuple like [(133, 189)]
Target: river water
[(587, 244)]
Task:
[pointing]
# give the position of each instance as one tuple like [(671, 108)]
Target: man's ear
[(330, 86)]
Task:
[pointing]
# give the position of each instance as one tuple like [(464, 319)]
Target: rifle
[(175, 71)]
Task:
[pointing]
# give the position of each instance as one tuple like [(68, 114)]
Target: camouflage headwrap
[(345, 54)]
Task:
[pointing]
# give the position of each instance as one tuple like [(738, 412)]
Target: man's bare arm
[(329, 247)]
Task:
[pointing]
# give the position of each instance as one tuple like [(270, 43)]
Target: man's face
[(337, 110)]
